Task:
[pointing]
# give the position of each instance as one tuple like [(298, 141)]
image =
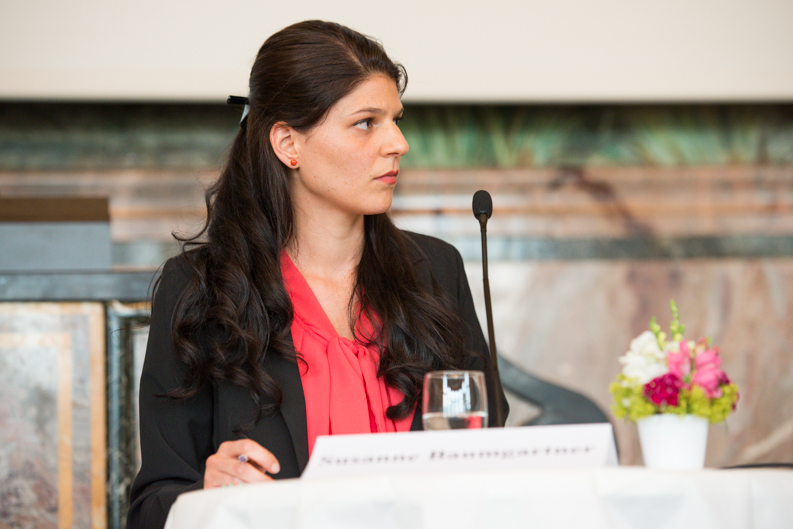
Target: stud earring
[(293, 162)]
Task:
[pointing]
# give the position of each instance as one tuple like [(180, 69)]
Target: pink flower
[(707, 372), (663, 389), (679, 360)]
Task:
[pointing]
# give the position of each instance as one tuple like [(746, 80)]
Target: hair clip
[(240, 100)]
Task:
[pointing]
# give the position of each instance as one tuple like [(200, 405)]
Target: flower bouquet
[(662, 378)]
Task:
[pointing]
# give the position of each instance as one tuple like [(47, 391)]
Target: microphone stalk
[(483, 208)]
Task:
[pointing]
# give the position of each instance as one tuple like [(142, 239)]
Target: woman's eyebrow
[(376, 111)]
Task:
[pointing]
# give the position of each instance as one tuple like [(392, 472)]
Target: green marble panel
[(597, 135), (102, 136), (127, 331)]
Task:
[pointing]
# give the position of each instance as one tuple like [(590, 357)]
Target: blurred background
[(636, 153)]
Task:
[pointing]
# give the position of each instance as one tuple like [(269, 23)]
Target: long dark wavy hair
[(235, 310)]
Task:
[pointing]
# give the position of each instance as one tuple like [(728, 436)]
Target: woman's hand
[(236, 462)]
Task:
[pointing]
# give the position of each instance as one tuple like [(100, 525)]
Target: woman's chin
[(378, 207)]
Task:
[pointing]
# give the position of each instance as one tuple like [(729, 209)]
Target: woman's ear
[(282, 138)]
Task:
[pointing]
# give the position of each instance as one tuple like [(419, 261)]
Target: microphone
[(483, 205), (483, 209)]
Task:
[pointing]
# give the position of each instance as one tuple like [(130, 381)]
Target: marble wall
[(52, 415), (568, 322)]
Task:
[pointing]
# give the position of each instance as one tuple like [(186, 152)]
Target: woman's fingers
[(242, 461), (223, 470), (220, 476), (254, 454)]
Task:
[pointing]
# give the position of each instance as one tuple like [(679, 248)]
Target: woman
[(303, 311)]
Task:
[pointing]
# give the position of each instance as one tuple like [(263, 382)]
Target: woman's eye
[(398, 120), (364, 124)]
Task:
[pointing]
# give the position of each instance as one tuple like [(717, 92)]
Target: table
[(615, 497)]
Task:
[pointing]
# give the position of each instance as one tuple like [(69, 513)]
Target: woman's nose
[(396, 144)]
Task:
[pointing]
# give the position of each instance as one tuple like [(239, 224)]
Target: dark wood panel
[(54, 209)]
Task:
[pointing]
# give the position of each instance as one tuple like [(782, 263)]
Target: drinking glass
[(454, 399)]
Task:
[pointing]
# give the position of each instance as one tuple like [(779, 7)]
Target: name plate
[(531, 447)]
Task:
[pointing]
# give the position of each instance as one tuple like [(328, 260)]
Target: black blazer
[(177, 437)]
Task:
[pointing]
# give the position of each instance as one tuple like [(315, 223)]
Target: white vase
[(675, 442)]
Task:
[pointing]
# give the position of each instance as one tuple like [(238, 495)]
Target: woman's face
[(349, 163)]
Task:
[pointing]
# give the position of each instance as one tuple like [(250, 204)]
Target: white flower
[(645, 360)]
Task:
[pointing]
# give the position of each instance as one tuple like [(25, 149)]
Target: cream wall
[(499, 50)]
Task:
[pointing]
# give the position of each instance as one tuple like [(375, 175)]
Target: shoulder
[(435, 251), (438, 262), (175, 275)]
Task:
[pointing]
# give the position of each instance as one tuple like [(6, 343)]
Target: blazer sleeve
[(448, 270), (175, 435)]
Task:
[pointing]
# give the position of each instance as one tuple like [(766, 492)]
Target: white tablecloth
[(617, 497)]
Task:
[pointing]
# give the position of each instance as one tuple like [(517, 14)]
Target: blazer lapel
[(293, 405), (417, 425), (425, 275)]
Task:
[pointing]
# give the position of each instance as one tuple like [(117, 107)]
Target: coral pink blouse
[(340, 384)]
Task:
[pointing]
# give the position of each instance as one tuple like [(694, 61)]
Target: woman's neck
[(327, 246), (327, 249)]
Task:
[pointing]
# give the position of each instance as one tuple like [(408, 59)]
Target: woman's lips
[(388, 178)]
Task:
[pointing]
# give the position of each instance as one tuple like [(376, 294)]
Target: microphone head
[(482, 203)]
